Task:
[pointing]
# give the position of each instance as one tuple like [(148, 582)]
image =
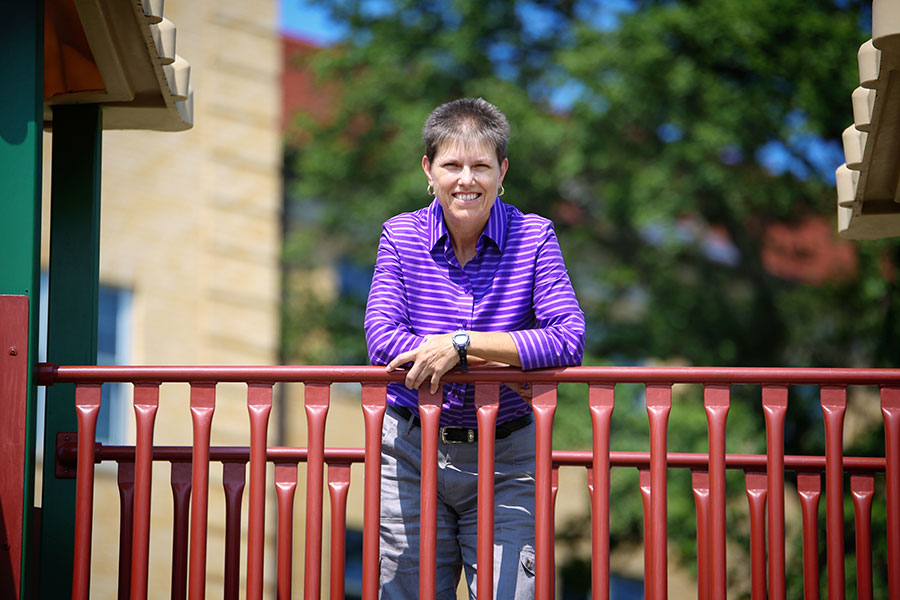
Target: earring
[(430, 190), (501, 191)]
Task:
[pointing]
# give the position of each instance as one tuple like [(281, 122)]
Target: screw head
[(13, 351)]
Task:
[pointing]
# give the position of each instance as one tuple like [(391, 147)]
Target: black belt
[(462, 435)]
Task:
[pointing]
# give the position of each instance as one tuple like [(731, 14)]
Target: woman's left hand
[(434, 357)]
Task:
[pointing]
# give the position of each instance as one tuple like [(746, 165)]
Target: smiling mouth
[(467, 197)]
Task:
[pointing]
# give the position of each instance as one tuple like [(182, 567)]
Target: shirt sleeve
[(388, 328), (557, 339)]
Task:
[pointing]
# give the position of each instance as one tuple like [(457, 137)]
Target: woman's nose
[(466, 176)]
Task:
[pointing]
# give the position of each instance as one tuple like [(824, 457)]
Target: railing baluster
[(234, 475), (774, 400), (180, 478), (338, 486), (700, 485), (487, 405), (285, 486), (756, 485), (544, 406), (659, 404), (644, 483), (87, 407), (373, 405), (809, 489), (430, 416), (862, 488), (601, 403), (125, 482), (716, 403), (316, 402), (890, 411), (146, 402), (203, 405), (834, 404), (259, 405)]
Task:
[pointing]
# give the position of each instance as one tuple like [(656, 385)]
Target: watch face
[(460, 339)]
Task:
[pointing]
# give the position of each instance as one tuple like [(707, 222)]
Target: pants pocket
[(525, 577)]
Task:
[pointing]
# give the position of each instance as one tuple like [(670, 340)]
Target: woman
[(466, 280)]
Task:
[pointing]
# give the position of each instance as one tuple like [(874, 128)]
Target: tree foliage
[(668, 140)]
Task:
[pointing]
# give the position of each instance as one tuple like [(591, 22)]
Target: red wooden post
[(233, 479), (700, 485), (87, 407), (601, 399), (890, 411), (774, 399), (146, 402), (13, 403), (430, 416), (756, 486), (862, 488), (203, 405), (544, 405), (180, 478), (644, 482), (338, 486), (316, 400), (259, 404), (716, 402), (125, 482), (834, 404), (659, 404), (809, 488), (487, 404), (285, 486), (373, 405)]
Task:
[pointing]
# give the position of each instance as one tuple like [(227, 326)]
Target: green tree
[(666, 140)]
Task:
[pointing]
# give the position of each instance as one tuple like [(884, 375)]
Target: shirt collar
[(495, 229)]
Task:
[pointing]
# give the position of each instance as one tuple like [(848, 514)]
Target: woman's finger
[(401, 359)]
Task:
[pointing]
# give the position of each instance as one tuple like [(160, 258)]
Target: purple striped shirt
[(517, 282)]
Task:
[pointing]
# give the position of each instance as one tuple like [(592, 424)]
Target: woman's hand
[(434, 357)]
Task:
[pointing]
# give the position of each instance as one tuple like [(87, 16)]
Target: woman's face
[(466, 177)]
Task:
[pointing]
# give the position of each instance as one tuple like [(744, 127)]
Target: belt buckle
[(470, 435)]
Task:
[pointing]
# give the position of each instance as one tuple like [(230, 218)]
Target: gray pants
[(457, 513)]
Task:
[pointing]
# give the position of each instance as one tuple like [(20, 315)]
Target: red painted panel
[(13, 398)]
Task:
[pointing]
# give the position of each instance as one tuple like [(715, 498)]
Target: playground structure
[(867, 209)]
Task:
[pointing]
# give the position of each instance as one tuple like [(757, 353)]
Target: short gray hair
[(470, 119)]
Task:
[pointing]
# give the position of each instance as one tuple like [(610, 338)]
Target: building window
[(113, 342)]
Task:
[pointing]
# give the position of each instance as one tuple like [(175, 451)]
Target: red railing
[(764, 479)]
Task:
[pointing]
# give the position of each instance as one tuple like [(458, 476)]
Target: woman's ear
[(503, 167), (426, 166)]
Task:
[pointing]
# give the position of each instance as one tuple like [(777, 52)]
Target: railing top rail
[(49, 374)]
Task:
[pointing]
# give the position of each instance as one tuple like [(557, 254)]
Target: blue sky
[(300, 19)]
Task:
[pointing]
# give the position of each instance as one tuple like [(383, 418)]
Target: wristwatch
[(461, 343)]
